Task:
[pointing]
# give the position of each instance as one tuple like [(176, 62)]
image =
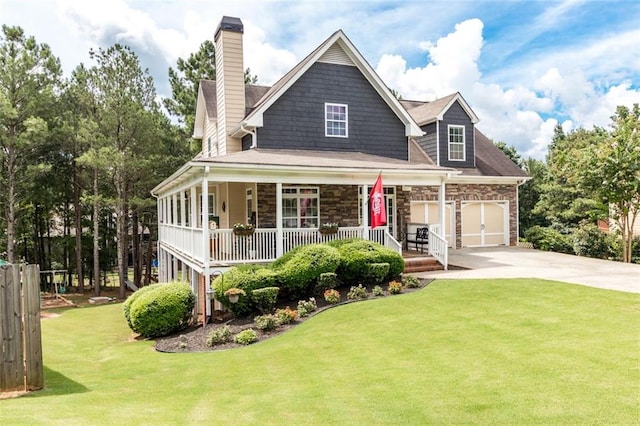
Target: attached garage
[(484, 223), (427, 212)]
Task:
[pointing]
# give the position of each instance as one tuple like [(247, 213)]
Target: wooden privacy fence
[(21, 366)]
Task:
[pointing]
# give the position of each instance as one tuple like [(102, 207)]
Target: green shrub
[(357, 255), (162, 310), (219, 335), (264, 299), (247, 278), (590, 241), (410, 281), (376, 272), (126, 307), (358, 292), (305, 307), (265, 322), (326, 281), (299, 274), (549, 239), (246, 337), (377, 291), (286, 315)]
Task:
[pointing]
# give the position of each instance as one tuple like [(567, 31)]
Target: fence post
[(21, 366), (11, 366), (34, 370)]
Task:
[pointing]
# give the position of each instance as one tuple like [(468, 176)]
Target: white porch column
[(441, 210), (365, 212), (183, 211), (174, 275), (193, 210), (174, 203), (206, 261), (279, 231)]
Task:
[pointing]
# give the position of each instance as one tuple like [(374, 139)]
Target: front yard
[(458, 351)]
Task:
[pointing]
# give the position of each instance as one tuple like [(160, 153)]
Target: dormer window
[(456, 143), (336, 119)]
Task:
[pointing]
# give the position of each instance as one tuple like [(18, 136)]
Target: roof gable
[(428, 112), (336, 49)]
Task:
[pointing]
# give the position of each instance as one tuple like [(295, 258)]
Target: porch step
[(421, 264)]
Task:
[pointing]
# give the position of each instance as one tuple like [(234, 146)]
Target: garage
[(428, 212), (484, 223)]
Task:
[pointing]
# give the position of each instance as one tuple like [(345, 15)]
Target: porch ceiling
[(305, 166)]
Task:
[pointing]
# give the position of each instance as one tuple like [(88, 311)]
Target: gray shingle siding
[(456, 115), (296, 119), (429, 140)]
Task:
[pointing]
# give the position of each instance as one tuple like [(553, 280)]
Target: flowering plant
[(234, 291), (328, 228), (395, 287), (243, 227), (329, 225), (332, 296), (286, 315)]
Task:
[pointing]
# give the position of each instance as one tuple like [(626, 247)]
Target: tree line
[(81, 153), (588, 177)]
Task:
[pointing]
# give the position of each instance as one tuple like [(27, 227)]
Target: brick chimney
[(229, 82)]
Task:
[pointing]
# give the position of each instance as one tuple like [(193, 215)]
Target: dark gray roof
[(252, 94), (491, 161), (425, 112)]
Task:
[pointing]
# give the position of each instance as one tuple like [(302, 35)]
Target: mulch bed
[(194, 338)]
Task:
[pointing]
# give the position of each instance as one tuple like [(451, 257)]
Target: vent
[(336, 55)]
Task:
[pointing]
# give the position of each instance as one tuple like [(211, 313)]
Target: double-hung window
[(300, 207), (456, 143), (336, 120)]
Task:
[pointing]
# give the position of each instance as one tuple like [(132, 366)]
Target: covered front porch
[(286, 197)]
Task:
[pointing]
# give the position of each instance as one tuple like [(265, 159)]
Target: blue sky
[(523, 66)]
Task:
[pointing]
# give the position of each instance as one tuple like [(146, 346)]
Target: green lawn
[(456, 352)]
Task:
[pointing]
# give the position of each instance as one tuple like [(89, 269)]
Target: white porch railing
[(438, 246), (227, 248), (185, 240)]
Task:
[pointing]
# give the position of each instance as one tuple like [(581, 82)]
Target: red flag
[(376, 204)]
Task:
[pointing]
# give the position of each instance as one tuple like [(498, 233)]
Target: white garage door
[(428, 212), (485, 223)]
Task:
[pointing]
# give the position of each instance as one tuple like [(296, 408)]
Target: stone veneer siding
[(467, 192), (338, 203)]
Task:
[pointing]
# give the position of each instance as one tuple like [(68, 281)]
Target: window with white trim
[(336, 120), (300, 207), (456, 143)]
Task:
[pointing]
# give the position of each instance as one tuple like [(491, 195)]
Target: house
[(304, 151)]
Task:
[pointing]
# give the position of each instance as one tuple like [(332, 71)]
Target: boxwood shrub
[(549, 239), (246, 277), (161, 309), (264, 299), (357, 255), (300, 273), (126, 307)]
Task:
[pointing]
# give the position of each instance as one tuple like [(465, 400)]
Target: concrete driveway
[(517, 262)]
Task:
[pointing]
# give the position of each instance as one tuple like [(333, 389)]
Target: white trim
[(464, 142), (327, 120)]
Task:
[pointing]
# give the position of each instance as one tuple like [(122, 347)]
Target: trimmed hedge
[(247, 278), (264, 299), (300, 273), (160, 309), (126, 307), (358, 254)]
